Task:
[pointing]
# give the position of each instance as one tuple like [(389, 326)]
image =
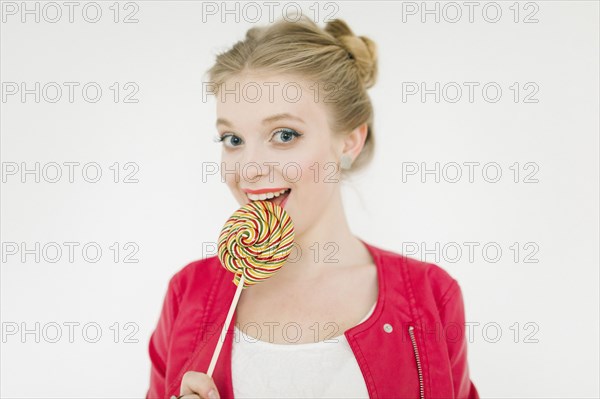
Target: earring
[(345, 161)]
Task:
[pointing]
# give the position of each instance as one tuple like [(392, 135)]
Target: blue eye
[(286, 135), (234, 142)]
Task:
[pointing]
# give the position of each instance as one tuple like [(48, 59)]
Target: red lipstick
[(263, 190)]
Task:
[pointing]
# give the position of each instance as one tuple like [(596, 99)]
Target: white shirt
[(324, 369)]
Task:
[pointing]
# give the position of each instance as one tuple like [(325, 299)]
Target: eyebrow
[(270, 119)]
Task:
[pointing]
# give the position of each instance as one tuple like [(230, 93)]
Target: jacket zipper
[(419, 370)]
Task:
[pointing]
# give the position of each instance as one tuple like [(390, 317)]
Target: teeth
[(262, 197)]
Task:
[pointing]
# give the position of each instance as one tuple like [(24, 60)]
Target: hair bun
[(361, 48)]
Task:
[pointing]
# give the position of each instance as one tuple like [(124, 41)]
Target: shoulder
[(425, 280), (196, 277)]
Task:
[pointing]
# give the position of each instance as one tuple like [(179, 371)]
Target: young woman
[(345, 318)]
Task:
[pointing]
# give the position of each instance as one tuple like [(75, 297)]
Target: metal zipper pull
[(416, 350)]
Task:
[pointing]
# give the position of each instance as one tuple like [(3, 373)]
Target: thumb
[(213, 394), (200, 384)]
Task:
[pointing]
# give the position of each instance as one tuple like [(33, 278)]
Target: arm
[(159, 342), (452, 312)]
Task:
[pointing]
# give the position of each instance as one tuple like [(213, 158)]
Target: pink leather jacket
[(412, 346)]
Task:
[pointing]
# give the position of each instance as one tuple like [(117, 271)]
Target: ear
[(355, 141)]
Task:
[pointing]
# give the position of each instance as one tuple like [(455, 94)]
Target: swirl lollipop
[(254, 244)]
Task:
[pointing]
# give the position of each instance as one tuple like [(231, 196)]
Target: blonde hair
[(332, 55)]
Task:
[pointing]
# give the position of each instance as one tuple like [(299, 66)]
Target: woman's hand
[(196, 385)]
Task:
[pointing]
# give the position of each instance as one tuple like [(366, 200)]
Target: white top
[(324, 369)]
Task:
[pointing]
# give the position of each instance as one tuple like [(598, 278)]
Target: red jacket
[(412, 346)]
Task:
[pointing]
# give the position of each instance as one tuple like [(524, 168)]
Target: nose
[(254, 163)]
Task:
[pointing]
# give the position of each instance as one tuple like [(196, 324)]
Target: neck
[(326, 246)]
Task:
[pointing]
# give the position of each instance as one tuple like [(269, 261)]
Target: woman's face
[(276, 136)]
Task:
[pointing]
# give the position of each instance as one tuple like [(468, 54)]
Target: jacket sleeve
[(452, 313), (159, 341)]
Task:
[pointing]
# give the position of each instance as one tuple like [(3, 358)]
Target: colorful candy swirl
[(256, 241)]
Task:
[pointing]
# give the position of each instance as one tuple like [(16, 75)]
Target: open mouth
[(276, 198)]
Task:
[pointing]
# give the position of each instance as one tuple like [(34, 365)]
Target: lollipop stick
[(236, 297)]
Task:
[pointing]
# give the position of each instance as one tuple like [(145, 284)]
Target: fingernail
[(212, 394)]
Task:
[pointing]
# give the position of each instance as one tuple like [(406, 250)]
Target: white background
[(170, 212)]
